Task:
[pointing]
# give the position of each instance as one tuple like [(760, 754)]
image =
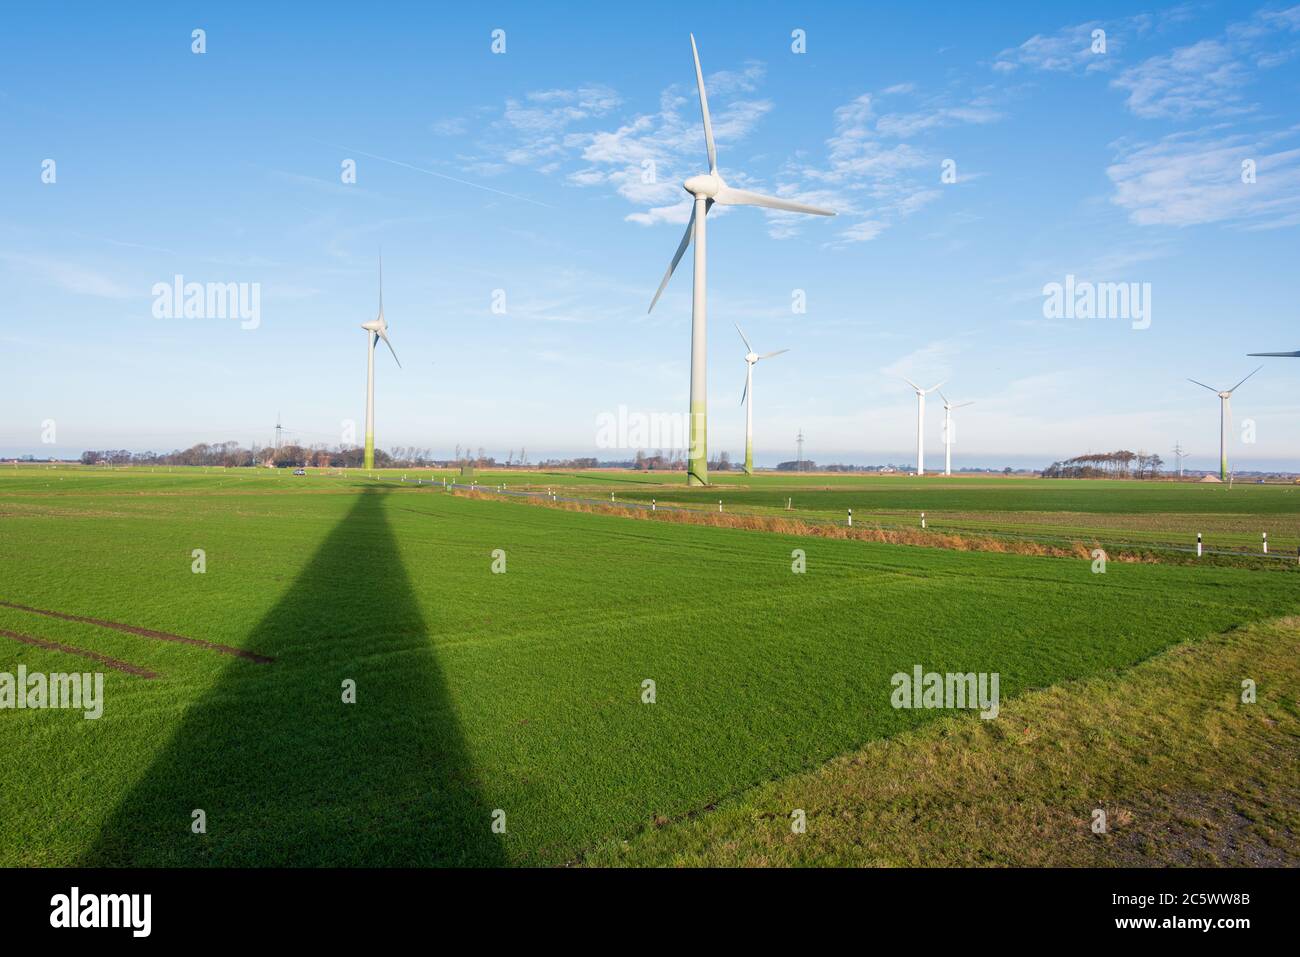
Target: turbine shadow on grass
[(286, 773)]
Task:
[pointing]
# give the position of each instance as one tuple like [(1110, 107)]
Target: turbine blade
[(742, 337), (677, 257), (942, 396), (934, 387), (1238, 385), (1203, 385), (729, 196), (1291, 354), (962, 405), (390, 349), (381, 282), (704, 109), (768, 355), (911, 383), (745, 391)]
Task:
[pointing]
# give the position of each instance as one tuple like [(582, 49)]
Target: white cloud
[(1205, 77), (1066, 51), (70, 276), (872, 172), (1187, 179), (1210, 76)]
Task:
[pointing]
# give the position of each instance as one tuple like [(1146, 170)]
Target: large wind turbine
[(751, 360), (920, 422), (1225, 415), (947, 430), (707, 189), (376, 329)]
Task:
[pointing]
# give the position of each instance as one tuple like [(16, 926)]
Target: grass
[(478, 692), (1186, 773)]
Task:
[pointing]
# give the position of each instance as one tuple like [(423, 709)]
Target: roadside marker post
[(1198, 544), (850, 518)]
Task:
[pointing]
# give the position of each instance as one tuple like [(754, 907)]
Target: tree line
[(1119, 464)]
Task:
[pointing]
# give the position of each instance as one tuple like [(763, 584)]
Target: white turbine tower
[(376, 329), (751, 360), (1225, 416), (707, 189), (920, 423), (947, 430)]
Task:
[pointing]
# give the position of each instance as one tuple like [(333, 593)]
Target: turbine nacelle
[(704, 186)]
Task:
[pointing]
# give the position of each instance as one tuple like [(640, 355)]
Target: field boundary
[(1169, 799), (873, 530)]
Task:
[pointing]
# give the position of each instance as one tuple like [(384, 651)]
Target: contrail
[(431, 172)]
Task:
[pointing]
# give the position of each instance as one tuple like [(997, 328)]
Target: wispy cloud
[(1187, 179), (875, 171), (70, 276), (1068, 50), (1210, 77)]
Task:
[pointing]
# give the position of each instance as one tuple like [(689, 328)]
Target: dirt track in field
[(114, 663), (144, 632)]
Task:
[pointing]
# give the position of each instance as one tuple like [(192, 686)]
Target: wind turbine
[(920, 422), (751, 360), (947, 429), (1225, 415), (707, 189), (376, 329)]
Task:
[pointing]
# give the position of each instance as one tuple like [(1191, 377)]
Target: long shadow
[(285, 772)]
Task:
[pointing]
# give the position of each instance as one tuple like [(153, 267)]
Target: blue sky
[(522, 172)]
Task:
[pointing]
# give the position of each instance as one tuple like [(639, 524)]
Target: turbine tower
[(920, 423), (707, 189), (1225, 416), (947, 430), (376, 329), (1179, 453), (751, 360)]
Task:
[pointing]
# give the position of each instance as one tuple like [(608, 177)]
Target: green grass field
[(1109, 512), (518, 691)]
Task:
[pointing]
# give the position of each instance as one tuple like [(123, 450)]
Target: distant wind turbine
[(376, 329), (1225, 415), (920, 422), (751, 360), (708, 189), (947, 430)]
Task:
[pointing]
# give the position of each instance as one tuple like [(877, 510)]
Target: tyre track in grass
[(144, 632), (115, 663)]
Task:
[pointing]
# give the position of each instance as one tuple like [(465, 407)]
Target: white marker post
[(654, 506), (1198, 544), (1266, 543), (923, 519), (850, 518), (719, 506)]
